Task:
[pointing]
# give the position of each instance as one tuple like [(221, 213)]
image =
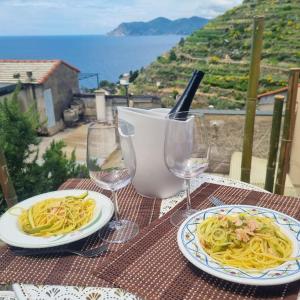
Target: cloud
[(43, 17)]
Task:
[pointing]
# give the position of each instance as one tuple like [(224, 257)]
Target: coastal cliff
[(160, 26)]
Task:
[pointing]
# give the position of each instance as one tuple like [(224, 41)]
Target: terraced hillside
[(222, 50)]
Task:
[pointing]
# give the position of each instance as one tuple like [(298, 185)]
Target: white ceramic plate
[(193, 251), (11, 234)]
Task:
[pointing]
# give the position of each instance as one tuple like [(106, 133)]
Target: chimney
[(29, 75), (16, 75)]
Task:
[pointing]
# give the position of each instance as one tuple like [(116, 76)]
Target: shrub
[(172, 56), (214, 59), (162, 60), (236, 54), (224, 104), (175, 94), (181, 42), (167, 101), (206, 88)]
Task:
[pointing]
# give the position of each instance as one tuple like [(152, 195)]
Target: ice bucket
[(152, 178)]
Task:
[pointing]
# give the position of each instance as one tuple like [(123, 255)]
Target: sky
[(76, 17)]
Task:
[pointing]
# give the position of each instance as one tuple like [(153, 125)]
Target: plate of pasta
[(55, 218), (243, 244)]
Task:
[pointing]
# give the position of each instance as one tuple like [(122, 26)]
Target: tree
[(133, 75), (172, 55), (57, 167), (111, 86), (19, 141), (18, 134)]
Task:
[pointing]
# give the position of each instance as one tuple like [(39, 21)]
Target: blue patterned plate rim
[(192, 250)]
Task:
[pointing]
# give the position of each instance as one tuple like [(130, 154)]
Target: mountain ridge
[(159, 26)]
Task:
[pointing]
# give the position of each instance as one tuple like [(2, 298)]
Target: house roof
[(41, 70)]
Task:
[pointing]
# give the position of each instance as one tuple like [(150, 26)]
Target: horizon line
[(88, 34)]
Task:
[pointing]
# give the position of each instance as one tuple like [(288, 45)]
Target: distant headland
[(160, 26)]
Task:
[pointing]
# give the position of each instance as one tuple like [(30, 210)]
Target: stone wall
[(113, 101), (63, 83), (137, 101), (88, 100), (226, 137), (25, 97)]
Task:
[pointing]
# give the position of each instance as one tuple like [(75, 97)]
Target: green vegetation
[(114, 88), (172, 56), (222, 50), (19, 141), (110, 86), (133, 75)]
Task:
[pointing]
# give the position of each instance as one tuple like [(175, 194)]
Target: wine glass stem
[(188, 193), (115, 202)]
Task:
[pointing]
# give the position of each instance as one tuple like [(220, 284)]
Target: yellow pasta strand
[(57, 216), (245, 241)]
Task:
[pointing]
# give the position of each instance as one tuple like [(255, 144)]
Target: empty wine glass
[(111, 164), (186, 153)]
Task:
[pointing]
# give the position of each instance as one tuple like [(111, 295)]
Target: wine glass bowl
[(111, 164), (186, 152), (105, 160)]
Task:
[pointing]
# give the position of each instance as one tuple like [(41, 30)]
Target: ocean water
[(108, 56)]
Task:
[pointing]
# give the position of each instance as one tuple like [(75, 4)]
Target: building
[(266, 100), (48, 84)]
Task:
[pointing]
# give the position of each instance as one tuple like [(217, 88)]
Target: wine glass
[(111, 164), (186, 153)]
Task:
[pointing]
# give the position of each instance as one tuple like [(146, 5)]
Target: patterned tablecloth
[(26, 291)]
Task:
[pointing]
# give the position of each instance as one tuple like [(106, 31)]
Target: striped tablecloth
[(153, 267), (29, 291), (71, 269)]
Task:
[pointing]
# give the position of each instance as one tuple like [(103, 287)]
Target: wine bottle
[(184, 102)]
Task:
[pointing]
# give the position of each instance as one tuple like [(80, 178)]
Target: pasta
[(57, 216), (244, 241)]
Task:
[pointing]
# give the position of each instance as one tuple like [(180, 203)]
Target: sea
[(106, 55)]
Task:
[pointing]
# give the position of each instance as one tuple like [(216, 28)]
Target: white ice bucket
[(152, 178)]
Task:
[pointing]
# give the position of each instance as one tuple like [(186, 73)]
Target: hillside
[(222, 50), (160, 26)]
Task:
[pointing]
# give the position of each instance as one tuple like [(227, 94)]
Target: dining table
[(142, 269)]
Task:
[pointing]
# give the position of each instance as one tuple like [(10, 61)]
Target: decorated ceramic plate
[(11, 233), (194, 252)]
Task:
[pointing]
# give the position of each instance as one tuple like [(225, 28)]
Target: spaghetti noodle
[(57, 216), (244, 241)]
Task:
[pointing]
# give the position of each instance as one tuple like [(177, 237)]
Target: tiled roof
[(41, 70)]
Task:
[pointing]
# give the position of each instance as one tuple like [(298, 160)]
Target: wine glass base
[(117, 232), (181, 215)]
